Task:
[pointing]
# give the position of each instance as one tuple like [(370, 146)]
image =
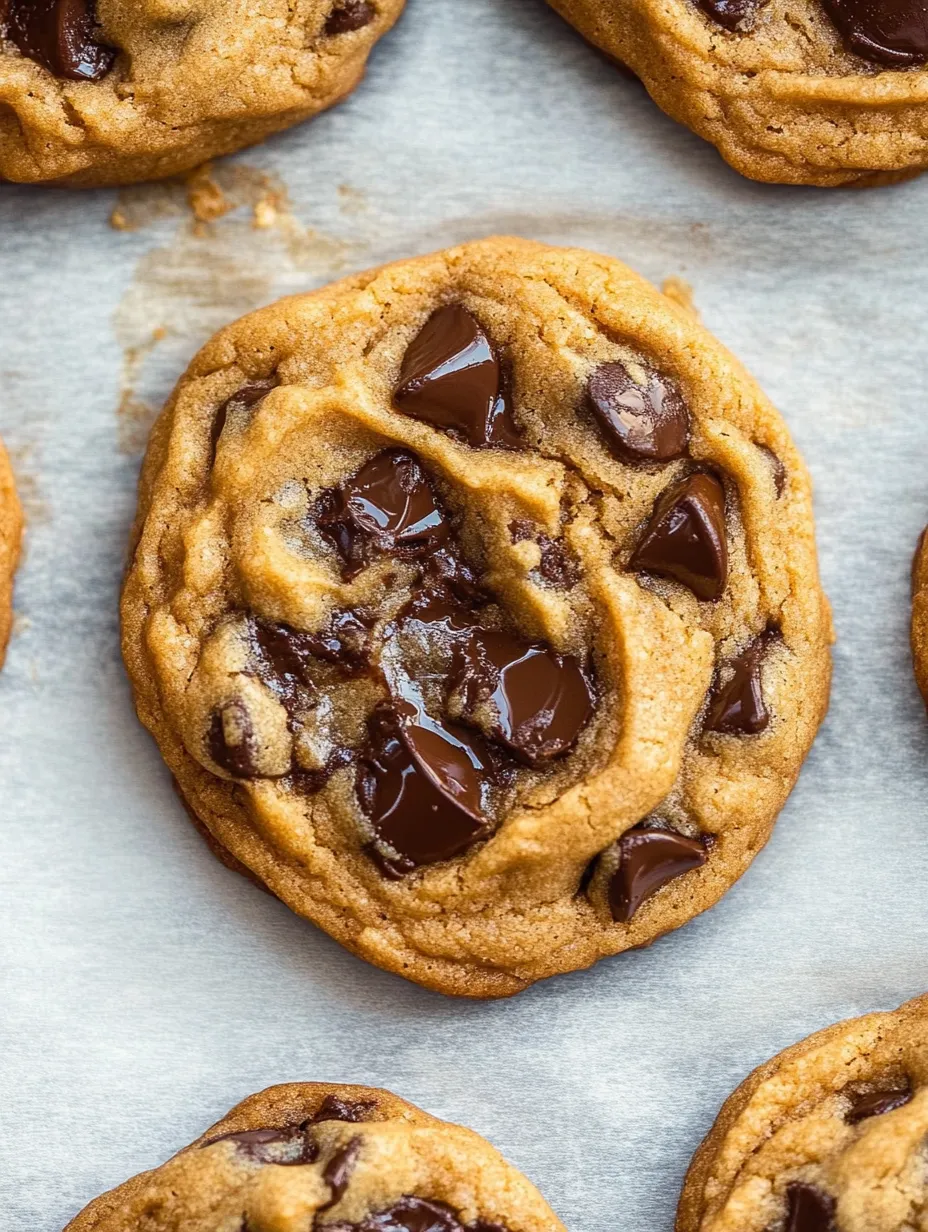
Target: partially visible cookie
[(829, 1136), (118, 91), (920, 614), (822, 92), (474, 607), (11, 525), (314, 1157)]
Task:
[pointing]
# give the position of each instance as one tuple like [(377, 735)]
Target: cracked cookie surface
[(824, 92), (11, 525), (474, 607), (330, 1158), (119, 91), (829, 1136)]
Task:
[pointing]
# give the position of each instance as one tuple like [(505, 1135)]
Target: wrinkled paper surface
[(143, 988)]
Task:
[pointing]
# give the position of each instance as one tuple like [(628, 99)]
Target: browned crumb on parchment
[(680, 291), (237, 245)]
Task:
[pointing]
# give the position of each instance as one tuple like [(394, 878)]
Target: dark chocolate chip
[(648, 859), (779, 470), (242, 400), (288, 1146), (334, 1108), (731, 14), (350, 15), (808, 1209), (540, 700), (62, 36), (557, 565), (232, 741), (445, 568), (737, 707), (388, 506), (892, 32), (289, 655), (411, 1214), (451, 377), (337, 1172), (685, 540), (875, 1103), (641, 423), (422, 784)]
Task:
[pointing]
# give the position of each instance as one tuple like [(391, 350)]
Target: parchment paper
[(143, 988)]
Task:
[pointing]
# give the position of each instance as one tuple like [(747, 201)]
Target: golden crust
[(787, 1122), (195, 79), (508, 913), (401, 1151), (784, 102)]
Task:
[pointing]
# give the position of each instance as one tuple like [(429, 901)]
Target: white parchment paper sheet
[(143, 988)]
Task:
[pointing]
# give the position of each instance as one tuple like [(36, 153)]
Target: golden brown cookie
[(824, 92), (123, 90), (474, 606), (828, 1136), (11, 525), (310, 1155)]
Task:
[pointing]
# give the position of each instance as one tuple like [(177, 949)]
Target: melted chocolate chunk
[(451, 377), (641, 423), (414, 1215), (808, 1209), (446, 569), (540, 700), (557, 565), (387, 507), (422, 785), (350, 15), (334, 1108), (288, 1146), (737, 708), (731, 14), (685, 539), (62, 36), (232, 742), (779, 470), (290, 655), (648, 859), (337, 1172), (308, 782), (892, 32), (875, 1103), (242, 400)]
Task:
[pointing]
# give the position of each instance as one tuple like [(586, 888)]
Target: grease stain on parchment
[(238, 246)]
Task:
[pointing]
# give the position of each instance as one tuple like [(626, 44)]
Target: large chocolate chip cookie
[(309, 1155), (474, 607), (123, 90), (829, 1136), (824, 92)]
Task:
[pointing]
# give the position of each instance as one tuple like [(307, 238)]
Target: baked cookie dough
[(473, 604), (11, 525), (128, 90), (823, 92), (310, 1155), (829, 1136)]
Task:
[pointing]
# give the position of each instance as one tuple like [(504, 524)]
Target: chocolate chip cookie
[(115, 91), (309, 1155), (11, 525), (474, 607), (828, 1136), (824, 92)]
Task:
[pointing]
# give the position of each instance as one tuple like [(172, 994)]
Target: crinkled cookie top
[(475, 609), (123, 89), (827, 1137), (331, 1159)]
